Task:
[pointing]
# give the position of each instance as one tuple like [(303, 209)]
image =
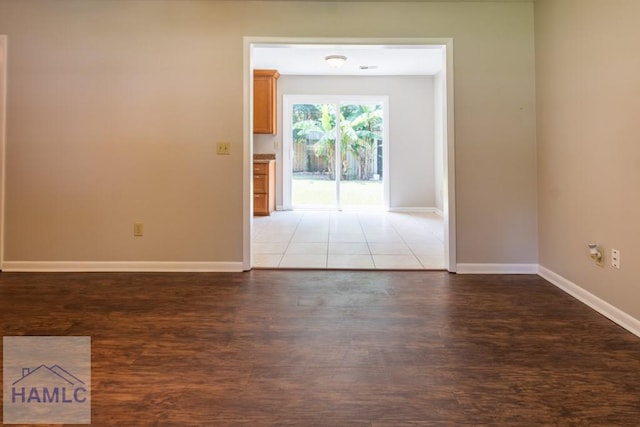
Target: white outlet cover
[(615, 258)]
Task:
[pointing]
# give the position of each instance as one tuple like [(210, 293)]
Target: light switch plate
[(223, 148)]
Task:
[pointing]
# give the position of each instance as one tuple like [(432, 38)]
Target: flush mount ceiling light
[(335, 61)]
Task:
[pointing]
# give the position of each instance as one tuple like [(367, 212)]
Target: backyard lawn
[(322, 192)]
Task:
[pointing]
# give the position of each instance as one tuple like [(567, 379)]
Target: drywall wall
[(411, 151), (114, 109), (588, 92)]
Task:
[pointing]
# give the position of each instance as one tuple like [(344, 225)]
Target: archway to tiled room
[(406, 233)]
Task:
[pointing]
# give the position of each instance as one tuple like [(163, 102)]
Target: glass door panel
[(362, 166), (337, 155), (313, 157)]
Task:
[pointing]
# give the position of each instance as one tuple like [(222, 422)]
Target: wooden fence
[(305, 160)]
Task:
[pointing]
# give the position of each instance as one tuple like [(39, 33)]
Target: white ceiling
[(382, 60)]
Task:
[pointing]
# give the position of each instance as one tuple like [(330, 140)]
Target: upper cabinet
[(264, 101)]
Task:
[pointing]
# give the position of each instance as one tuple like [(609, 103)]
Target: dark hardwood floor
[(334, 348)]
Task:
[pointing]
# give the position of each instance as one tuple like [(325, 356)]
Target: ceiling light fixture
[(335, 61)]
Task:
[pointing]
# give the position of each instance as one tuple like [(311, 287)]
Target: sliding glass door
[(314, 131), (336, 152)]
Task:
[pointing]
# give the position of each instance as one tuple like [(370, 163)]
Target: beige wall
[(114, 109), (588, 94)]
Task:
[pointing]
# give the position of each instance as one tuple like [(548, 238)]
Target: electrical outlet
[(223, 148), (615, 258), (138, 229)]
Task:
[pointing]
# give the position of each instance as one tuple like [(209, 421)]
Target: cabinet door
[(261, 204), (261, 168), (261, 184), (264, 101)]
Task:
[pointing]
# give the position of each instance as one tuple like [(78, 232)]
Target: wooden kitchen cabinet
[(265, 101), (264, 187)]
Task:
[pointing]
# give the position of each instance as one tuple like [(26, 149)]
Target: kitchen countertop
[(263, 158)]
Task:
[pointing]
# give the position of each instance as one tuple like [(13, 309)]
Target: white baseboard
[(497, 268), (119, 266), (616, 315), (397, 209), (413, 209)]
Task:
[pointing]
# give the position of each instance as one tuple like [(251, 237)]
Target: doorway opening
[(337, 149), (442, 116)]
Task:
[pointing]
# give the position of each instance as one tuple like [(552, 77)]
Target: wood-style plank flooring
[(334, 348)]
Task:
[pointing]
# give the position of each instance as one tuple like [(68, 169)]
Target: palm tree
[(323, 129), (366, 124)]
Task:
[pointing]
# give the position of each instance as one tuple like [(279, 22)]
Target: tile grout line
[(440, 242), (290, 239), (393, 227), (409, 247), (373, 261), (411, 250), (326, 264)]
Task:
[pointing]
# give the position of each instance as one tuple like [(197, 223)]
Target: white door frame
[(287, 143), (3, 127), (449, 211)]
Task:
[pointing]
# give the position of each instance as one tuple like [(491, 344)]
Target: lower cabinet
[(264, 187)]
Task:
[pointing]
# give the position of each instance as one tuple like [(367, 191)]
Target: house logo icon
[(48, 385)]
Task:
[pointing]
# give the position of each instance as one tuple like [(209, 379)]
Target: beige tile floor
[(348, 240)]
